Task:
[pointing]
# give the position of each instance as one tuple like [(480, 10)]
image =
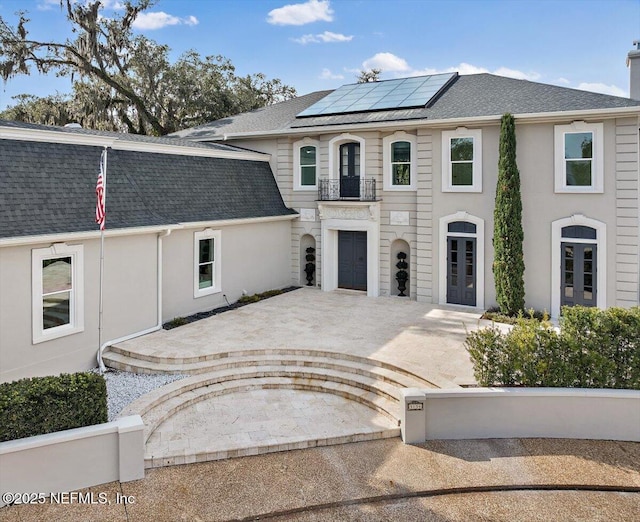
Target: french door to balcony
[(350, 170)]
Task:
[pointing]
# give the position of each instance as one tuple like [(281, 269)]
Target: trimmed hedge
[(592, 349), (41, 405)]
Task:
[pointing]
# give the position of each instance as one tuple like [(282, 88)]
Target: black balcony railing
[(353, 188)]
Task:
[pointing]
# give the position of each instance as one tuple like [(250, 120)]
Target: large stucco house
[(410, 165), (361, 174)]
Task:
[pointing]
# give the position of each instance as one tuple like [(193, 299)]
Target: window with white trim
[(57, 291), (305, 164), (206, 278), (462, 160), (399, 161), (579, 159)]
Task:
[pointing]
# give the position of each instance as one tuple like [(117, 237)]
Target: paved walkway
[(488, 480), (423, 338), (300, 327)]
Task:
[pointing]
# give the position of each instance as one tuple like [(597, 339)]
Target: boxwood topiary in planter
[(310, 267), (402, 275)]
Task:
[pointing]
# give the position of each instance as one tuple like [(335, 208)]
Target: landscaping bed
[(243, 301)]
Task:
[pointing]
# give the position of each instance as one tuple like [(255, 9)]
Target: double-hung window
[(579, 157), (399, 170), (207, 274), (462, 160), (305, 164), (57, 300)]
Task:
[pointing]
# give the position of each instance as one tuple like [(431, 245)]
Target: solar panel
[(403, 93)]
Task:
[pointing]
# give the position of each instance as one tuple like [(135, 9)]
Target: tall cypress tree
[(508, 264)]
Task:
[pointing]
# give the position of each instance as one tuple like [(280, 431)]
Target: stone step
[(127, 361), (190, 457), (162, 403)]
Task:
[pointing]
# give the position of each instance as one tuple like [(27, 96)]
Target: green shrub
[(592, 349), (258, 297), (178, 321), (41, 405)]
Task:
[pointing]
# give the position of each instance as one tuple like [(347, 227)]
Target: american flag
[(100, 195)]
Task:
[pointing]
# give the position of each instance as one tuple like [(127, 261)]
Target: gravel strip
[(124, 387)]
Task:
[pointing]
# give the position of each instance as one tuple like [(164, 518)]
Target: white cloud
[(603, 88), (112, 4), (300, 14), (160, 19), (46, 5), (326, 37), (562, 81), (391, 63), (388, 62), (326, 74), (518, 75)]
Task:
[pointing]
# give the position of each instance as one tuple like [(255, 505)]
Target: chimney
[(633, 62)]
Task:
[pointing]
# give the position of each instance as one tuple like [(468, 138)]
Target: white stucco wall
[(129, 305), (255, 257)]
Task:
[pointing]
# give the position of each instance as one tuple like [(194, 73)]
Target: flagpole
[(103, 166)]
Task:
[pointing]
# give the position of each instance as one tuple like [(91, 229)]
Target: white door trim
[(556, 263), (442, 258)]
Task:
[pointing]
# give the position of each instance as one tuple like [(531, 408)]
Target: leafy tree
[(371, 75), (508, 264), (126, 82), (49, 110)]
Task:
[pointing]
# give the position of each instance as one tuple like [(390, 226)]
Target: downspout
[(158, 325)]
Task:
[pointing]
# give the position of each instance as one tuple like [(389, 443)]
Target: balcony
[(347, 189)]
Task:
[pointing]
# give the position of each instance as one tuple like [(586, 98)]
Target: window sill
[(400, 188), (467, 188), (206, 292), (56, 333)]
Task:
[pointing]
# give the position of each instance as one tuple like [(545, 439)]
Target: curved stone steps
[(157, 454), (161, 404), (120, 359)]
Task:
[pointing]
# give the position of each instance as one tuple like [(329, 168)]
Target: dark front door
[(578, 274), (350, 170), (352, 260), (461, 270)]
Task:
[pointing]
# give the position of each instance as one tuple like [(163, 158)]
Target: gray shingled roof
[(469, 96), (48, 188), (173, 140)]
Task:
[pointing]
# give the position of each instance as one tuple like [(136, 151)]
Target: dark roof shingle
[(469, 96), (48, 188)]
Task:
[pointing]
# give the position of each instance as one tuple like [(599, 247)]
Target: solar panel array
[(402, 93)]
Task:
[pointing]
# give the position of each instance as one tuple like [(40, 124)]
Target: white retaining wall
[(73, 459), (481, 413)]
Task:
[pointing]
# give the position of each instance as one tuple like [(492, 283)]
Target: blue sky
[(321, 44)]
